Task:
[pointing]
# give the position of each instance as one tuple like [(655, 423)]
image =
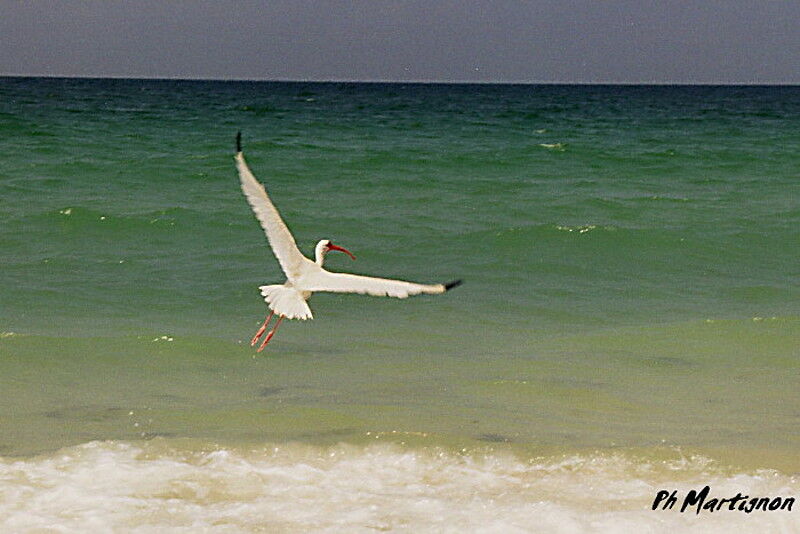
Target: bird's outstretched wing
[(280, 238), (322, 280)]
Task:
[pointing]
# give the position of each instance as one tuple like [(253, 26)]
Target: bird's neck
[(320, 258)]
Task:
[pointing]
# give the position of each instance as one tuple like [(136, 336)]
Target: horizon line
[(412, 82)]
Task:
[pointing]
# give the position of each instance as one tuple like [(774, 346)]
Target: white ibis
[(303, 276)]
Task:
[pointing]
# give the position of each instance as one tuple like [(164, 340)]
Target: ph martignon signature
[(699, 500)]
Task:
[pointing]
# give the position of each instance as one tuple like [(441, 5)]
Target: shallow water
[(630, 298)]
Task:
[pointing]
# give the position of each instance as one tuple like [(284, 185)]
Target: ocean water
[(629, 321)]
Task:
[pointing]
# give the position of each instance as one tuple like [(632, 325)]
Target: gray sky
[(712, 41)]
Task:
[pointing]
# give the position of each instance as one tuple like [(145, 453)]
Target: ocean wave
[(89, 219), (558, 147), (160, 485)]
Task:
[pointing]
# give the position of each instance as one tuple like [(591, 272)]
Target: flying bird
[(303, 276)]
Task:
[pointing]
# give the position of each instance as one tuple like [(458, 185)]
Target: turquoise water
[(629, 256)]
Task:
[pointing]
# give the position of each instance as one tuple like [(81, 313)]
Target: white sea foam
[(580, 229), (120, 487), (553, 146)]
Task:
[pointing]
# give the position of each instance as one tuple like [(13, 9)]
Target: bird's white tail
[(286, 301)]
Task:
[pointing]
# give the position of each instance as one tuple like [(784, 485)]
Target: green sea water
[(629, 256)]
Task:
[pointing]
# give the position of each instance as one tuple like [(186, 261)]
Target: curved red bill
[(341, 249)]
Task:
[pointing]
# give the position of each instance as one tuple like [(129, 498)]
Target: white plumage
[(286, 301), (279, 236), (323, 280), (303, 275)]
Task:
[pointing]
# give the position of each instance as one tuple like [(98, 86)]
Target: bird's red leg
[(271, 333), (261, 330)]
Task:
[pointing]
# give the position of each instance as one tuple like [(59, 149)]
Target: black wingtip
[(450, 285), (238, 142)]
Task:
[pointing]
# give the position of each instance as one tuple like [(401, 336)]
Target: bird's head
[(324, 246)]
